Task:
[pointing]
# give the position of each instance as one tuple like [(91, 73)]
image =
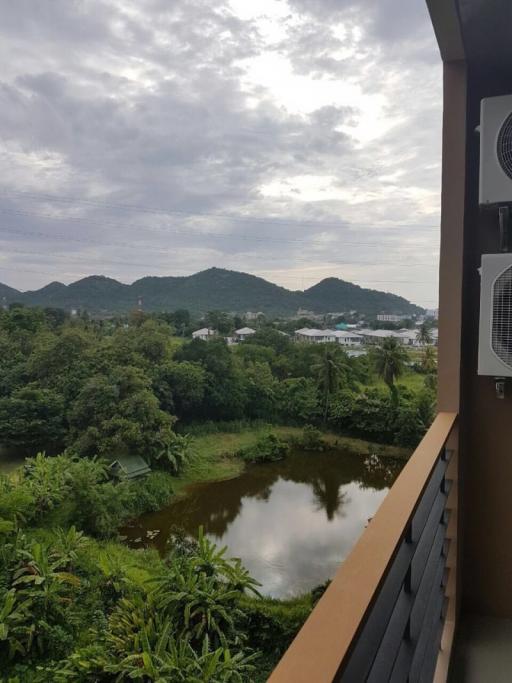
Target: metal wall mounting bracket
[(500, 387), (504, 218)]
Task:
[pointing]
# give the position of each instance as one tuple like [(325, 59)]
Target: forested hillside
[(210, 289)]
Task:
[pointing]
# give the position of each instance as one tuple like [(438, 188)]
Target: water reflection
[(291, 523)]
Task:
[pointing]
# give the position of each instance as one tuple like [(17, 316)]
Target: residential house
[(244, 332), (204, 333)]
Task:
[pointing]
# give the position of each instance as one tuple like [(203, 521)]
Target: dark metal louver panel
[(501, 332), (504, 149)]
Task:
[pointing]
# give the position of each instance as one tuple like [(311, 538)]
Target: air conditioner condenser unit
[(496, 151), (495, 337)]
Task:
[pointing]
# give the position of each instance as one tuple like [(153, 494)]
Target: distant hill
[(212, 289), (7, 293), (332, 295)]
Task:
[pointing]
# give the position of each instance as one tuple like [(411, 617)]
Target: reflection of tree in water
[(380, 472), (216, 505), (328, 497)]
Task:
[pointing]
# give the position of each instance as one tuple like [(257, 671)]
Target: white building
[(314, 336), (377, 336), (406, 337), (390, 318), (409, 337), (244, 332), (204, 333), (346, 338)]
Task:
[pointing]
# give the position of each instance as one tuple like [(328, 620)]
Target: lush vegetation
[(75, 604), (128, 386), (210, 289), (73, 608)]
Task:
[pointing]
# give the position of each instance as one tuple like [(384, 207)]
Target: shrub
[(312, 439), (151, 493), (271, 625), (267, 449)]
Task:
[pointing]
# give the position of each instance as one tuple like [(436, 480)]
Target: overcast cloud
[(293, 139)]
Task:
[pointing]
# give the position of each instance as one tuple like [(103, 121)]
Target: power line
[(205, 214), (187, 233), (393, 263)]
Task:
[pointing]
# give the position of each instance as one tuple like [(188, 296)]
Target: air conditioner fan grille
[(502, 317), (505, 146)]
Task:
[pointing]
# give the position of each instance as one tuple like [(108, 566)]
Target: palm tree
[(429, 361), (389, 359), (424, 337), (328, 370)]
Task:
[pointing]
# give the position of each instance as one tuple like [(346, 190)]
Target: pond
[(290, 522)]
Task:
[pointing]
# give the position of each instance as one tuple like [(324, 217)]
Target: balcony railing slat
[(380, 619), (388, 650), (432, 620), (427, 499), (426, 540), (427, 672), (436, 564)]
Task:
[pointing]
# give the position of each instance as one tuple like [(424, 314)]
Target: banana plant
[(68, 544), (40, 577), (200, 605), (14, 615)]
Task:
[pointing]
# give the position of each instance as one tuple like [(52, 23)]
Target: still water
[(290, 522)]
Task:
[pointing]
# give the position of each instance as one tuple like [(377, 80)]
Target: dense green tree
[(13, 370), (254, 353), (32, 416), (180, 387), (260, 387), (219, 321), (119, 414), (368, 413), (389, 359), (182, 321), (63, 361), (297, 399), (225, 396), (274, 339), (329, 370), (55, 317), (152, 341)]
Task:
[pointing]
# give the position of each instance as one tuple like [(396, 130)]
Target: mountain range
[(212, 289)]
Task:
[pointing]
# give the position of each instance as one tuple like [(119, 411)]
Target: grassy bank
[(215, 454)]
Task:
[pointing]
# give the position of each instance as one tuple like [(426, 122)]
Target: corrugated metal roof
[(131, 465)]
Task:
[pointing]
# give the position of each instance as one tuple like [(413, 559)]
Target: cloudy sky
[(292, 139)]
